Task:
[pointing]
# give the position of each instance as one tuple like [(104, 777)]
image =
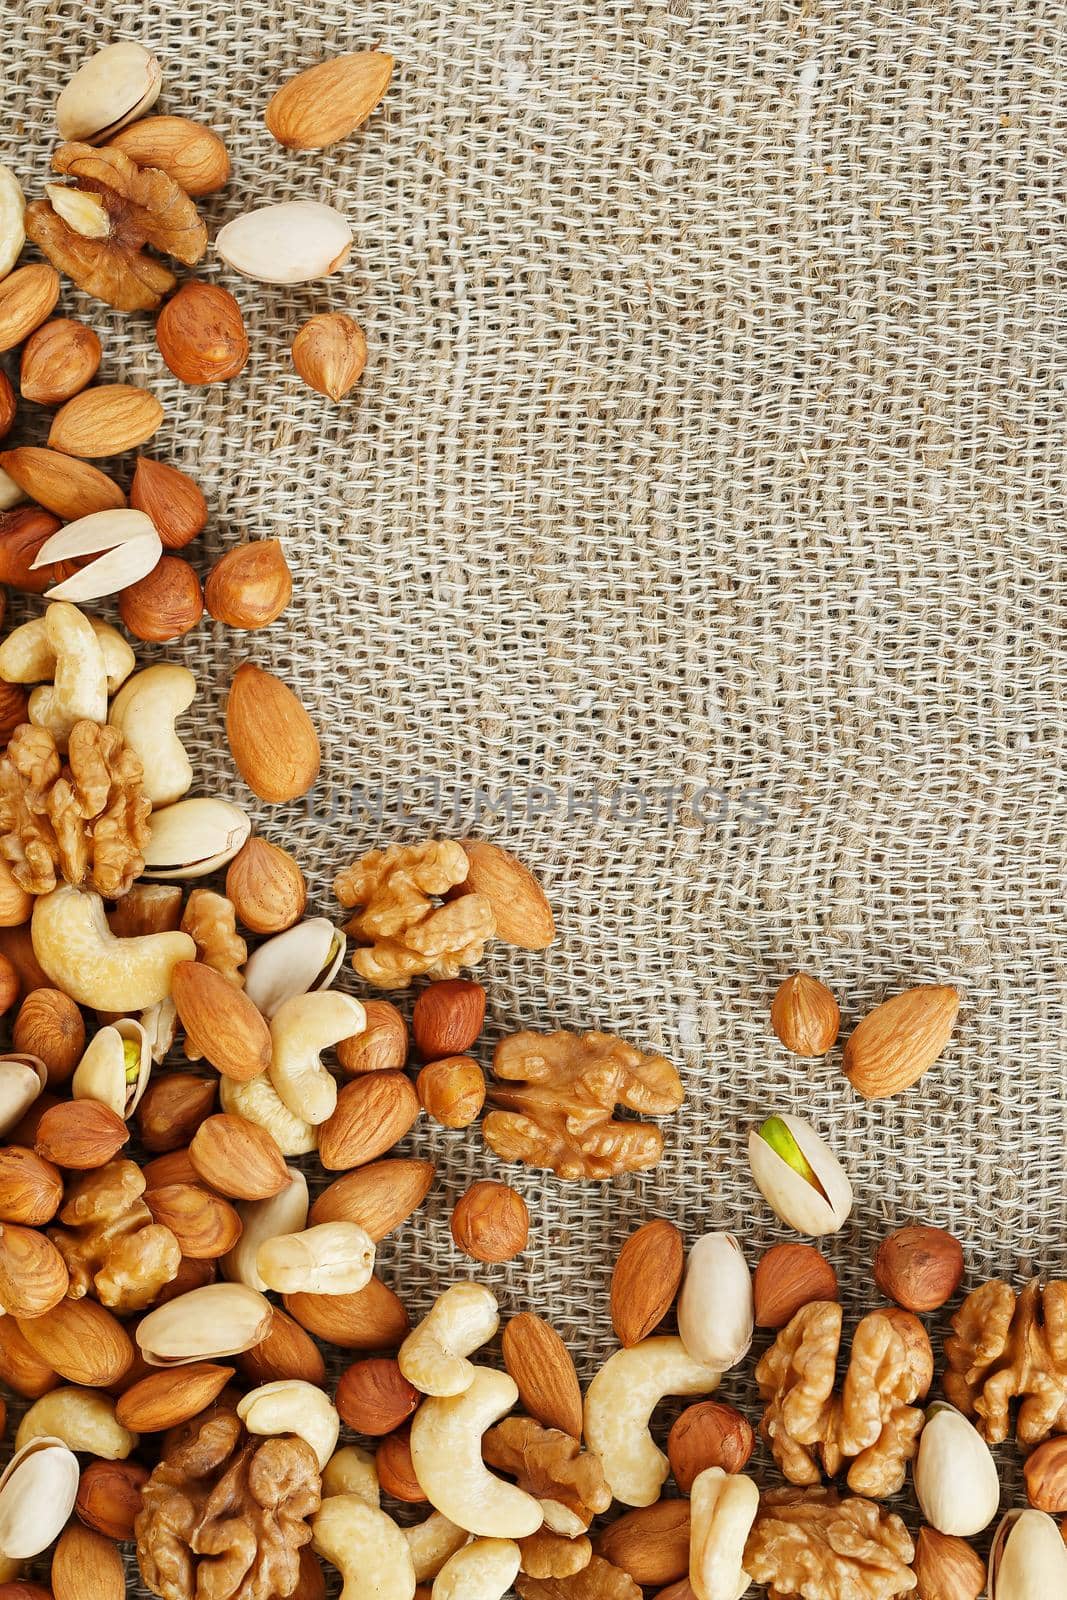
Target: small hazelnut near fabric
[(452, 1091), (920, 1268), (448, 1018), (201, 334), (329, 353), (165, 604), (491, 1223), (805, 1015)]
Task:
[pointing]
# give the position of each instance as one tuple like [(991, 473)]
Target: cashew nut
[(257, 1101), (12, 232), (366, 1547), (722, 1509), (432, 1543), (30, 657), (81, 955), (145, 712), (292, 1405), (352, 1471), (332, 1258), (285, 1212), (433, 1356), (619, 1403), (482, 1570), (446, 1453), (79, 675), (84, 1419), (299, 1029)]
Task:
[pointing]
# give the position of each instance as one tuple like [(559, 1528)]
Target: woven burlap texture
[(699, 507)]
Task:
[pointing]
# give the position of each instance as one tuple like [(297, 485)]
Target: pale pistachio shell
[(83, 1419), (367, 1547), (1028, 1560), (12, 232), (294, 242), (257, 1101), (331, 1258), (432, 1542), (78, 951), (37, 1493), (120, 82), (304, 958), (789, 1195), (290, 1405), (299, 1030), (716, 1312), (722, 1508), (352, 1471), (22, 1079), (221, 1319), (145, 712), (485, 1569), (285, 1212), (101, 1073), (11, 494), (130, 539), (955, 1476), (193, 837), (160, 1023)]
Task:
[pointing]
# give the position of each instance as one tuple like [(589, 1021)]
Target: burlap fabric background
[(708, 466)]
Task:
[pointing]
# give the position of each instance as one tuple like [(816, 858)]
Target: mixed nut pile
[(166, 1317)]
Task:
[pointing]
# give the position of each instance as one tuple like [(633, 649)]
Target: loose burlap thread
[(693, 531)]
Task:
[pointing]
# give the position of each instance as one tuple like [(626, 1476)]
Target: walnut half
[(1008, 1348), (808, 1544)]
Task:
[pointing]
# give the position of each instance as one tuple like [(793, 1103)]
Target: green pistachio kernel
[(131, 1055), (781, 1141)]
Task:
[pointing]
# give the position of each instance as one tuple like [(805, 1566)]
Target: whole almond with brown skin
[(105, 421), (86, 1563), (109, 1497), (220, 1021), (25, 1131), (374, 1397), (201, 334), (17, 944), (266, 887), (14, 708), (33, 1274), (520, 907), (190, 1275), (947, 1568), (790, 1276), (646, 1279), (543, 1372), (447, 1018), (24, 1589), (82, 1341), (27, 298), (81, 1134), (491, 1222), (708, 1435), (172, 1395), (286, 1352), (174, 1167), (31, 1190), (165, 604), (805, 1015), (22, 533), (452, 1091), (381, 1047), (896, 1042), (21, 1368), (9, 985), (173, 1108), (329, 353), (920, 1268), (651, 1543), (238, 1158), (50, 1027), (329, 101), (1046, 1476), (378, 1197), (63, 484), (250, 586), (396, 1472), (175, 504), (193, 155), (58, 361), (8, 405), (373, 1113), (372, 1319), (205, 1225), (272, 738)]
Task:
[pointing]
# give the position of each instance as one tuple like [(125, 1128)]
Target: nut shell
[(491, 1222), (250, 586), (201, 334), (920, 1268), (790, 1276), (805, 1015), (272, 738), (165, 604), (266, 887)]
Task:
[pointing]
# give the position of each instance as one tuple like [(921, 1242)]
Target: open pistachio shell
[(37, 1493), (286, 1212), (955, 1476), (221, 1319), (160, 1023), (295, 962), (21, 1080), (192, 837), (1028, 1560), (101, 1074), (814, 1210), (117, 84)]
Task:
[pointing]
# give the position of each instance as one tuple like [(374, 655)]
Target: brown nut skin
[(164, 605), (947, 1568), (805, 1015), (80, 1134), (109, 1497), (193, 155), (82, 1341), (452, 1091), (1046, 1476), (8, 405), (373, 1113), (272, 739), (329, 353), (50, 1026), (23, 530), (286, 1352), (491, 1222), (374, 1397), (201, 334), (381, 1047), (238, 1158), (58, 361), (395, 1471), (175, 504), (86, 1563), (14, 708), (249, 587), (31, 1190), (708, 1435), (920, 1268), (172, 1109), (9, 984), (650, 1543), (205, 1225), (266, 887), (21, 1368), (790, 1276), (448, 1018), (645, 1281)]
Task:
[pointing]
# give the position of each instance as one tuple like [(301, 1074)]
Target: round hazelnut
[(109, 1496), (9, 984), (491, 1222), (790, 1276), (249, 587), (381, 1047), (448, 1018), (1046, 1476), (329, 353), (452, 1091), (396, 1474), (708, 1435), (920, 1268), (49, 1026), (201, 334), (805, 1015), (374, 1397), (165, 604), (172, 1108), (266, 887)]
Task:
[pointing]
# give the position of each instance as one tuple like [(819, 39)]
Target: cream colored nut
[(290, 243), (37, 1492), (145, 712), (11, 494), (79, 686), (1028, 1559), (12, 232), (482, 1570), (160, 1024), (285, 1212), (352, 1471), (81, 955), (809, 1192), (30, 657), (117, 84), (332, 1258), (446, 1452), (301, 960), (366, 1547), (84, 213), (22, 1078), (83, 1419), (193, 837), (432, 1543), (619, 1403), (115, 1068), (716, 1309), (299, 1030), (257, 1101), (293, 1406), (221, 1319), (722, 1509), (955, 1476), (131, 547), (434, 1355)]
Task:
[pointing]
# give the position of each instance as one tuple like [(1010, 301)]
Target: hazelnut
[(452, 1091), (266, 887), (9, 985), (175, 504), (491, 1222), (790, 1276), (396, 1474), (49, 1026), (448, 1018), (1045, 1472), (381, 1047), (172, 1108), (374, 1397), (250, 587), (329, 353), (8, 405), (165, 604), (805, 1015), (708, 1435), (201, 334), (109, 1496), (58, 361), (947, 1568), (919, 1268)]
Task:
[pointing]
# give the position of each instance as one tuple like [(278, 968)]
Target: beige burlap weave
[(700, 506)]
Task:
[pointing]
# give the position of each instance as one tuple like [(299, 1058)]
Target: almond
[(205, 1225), (896, 1042), (250, 586), (194, 156), (541, 1367), (286, 1352), (378, 1197), (174, 1167), (109, 1497), (272, 738), (201, 334), (171, 1395), (329, 101), (919, 1268), (8, 405), (374, 1397), (81, 1134), (329, 353), (33, 1274), (396, 1470), (105, 421), (58, 361), (373, 1113), (805, 1015), (30, 1189), (21, 1368), (63, 484), (23, 533), (790, 1276), (173, 1107), (372, 1319), (266, 887), (238, 1158), (163, 605), (448, 1018), (521, 910), (220, 1021), (646, 1279), (27, 298), (14, 708), (381, 1047), (82, 1341), (86, 1563), (651, 1543), (170, 498), (708, 1435)]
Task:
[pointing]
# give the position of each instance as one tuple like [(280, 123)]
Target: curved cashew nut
[(366, 1547), (433, 1356), (145, 712), (291, 1405), (299, 1029), (26, 656), (331, 1258), (257, 1101), (285, 1212), (79, 677), (352, 1471), (446, 1452), (432, 1543), (722, 1508), (81, 955), (483, 1570), (84, 1419), (619, 1403)]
